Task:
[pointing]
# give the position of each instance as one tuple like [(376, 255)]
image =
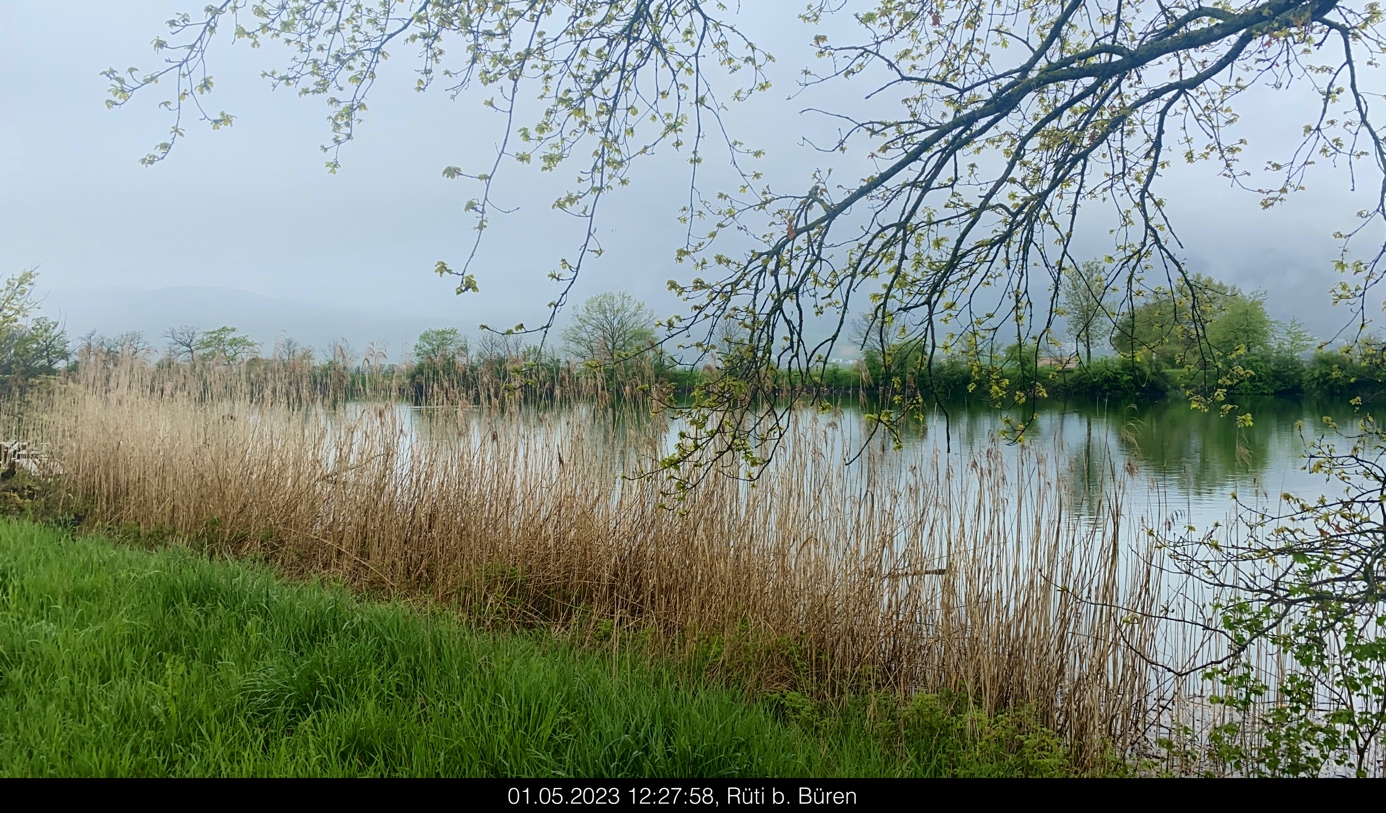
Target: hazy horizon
[(251, 209)]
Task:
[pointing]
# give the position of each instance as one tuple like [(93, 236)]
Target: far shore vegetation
[(1205, 339)]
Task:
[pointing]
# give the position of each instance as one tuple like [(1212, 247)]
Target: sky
[(251, 212)]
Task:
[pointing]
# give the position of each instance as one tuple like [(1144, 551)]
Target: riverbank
[(116, 661)]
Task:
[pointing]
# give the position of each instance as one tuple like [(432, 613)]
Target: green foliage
[(1355, 370), (1240, 325), (1172, 327), (1085, 291), (440, 346), (898, 362), (441, 362), (1292, 340), (610, 328), (226, 345), (1306, 591), (37, 349), (28, 348), (1270, 374), (16, 300), (116, 662), (1120, 377), (1217, 340), (1008, 744), (944, 735)]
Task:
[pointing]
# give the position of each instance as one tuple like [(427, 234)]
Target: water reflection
[(1165, 456)]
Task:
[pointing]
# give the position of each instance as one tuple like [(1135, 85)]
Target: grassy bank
[(117, 661)]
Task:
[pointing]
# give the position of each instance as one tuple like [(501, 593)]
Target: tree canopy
[(1084, 293), (28, 347), (441, 345), (610, 328), (999, 135), (226, 345)]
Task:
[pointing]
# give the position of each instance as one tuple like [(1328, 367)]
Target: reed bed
[(967, 577), (122, 662)]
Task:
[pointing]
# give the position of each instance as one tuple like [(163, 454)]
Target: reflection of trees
[(1204, 451), (614, 439), (1084, 437), (1089, 445)]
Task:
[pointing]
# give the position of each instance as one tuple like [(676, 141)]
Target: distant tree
[(96, 349), (1023, 355), (731, 339), (1291, 339), (1170, 327), (1084, 294), (34, 350), (610, 327), (183, 343), (439, 356), (16, 301), (287, 349), (1241, 326), (44, 347), (27, 348), (131, 344), (1282, 366), (440, 345), (226, 345), (499, 346), (89, 349), (340, 353)]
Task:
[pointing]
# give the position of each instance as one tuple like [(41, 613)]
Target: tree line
[(1200, 332)]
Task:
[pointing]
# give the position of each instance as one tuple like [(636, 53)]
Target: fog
[(251, 210)]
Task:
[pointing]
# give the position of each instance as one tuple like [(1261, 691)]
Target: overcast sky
[(252, 208)]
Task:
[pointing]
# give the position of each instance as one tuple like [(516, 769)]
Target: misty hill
[(111, 311)]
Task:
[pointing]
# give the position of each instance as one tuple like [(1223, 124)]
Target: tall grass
[(120, 662), (958, 577)]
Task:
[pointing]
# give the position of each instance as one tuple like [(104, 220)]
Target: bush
[(1118, 376)]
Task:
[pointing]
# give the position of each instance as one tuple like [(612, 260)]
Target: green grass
[(120, 662)]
